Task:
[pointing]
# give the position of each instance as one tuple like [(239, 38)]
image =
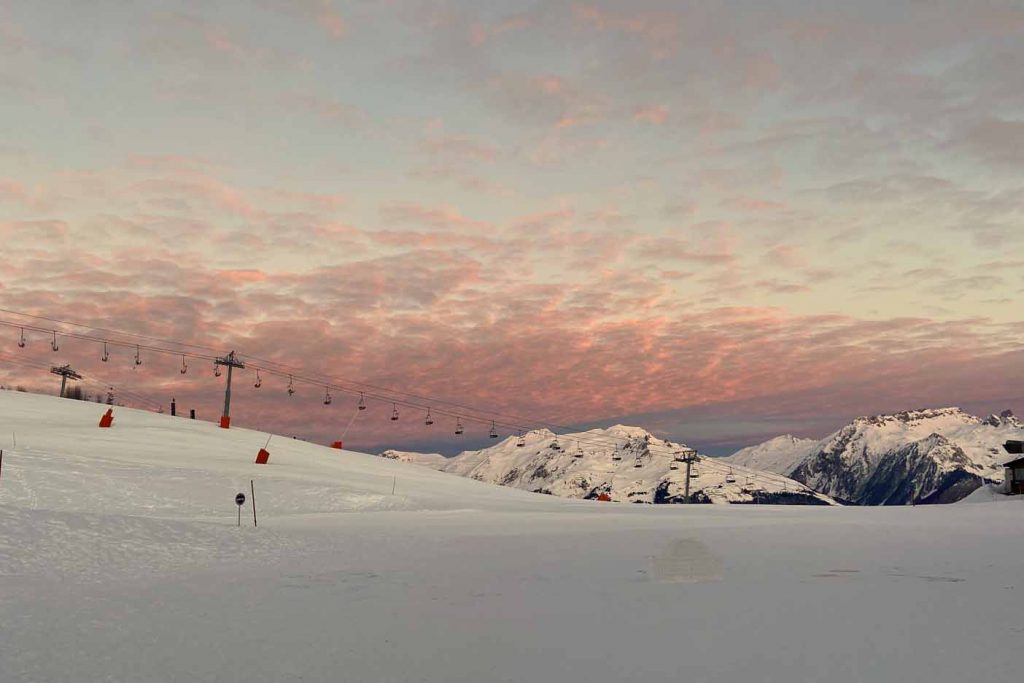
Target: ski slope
[(120, 560)]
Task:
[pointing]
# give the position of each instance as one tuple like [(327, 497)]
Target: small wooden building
[(1013, 471)]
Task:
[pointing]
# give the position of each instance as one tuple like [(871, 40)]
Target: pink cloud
[(656, 114)]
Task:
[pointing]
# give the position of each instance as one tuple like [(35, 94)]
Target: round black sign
[(240, 499)]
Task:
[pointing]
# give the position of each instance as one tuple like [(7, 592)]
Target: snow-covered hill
[(920, 456), (628, 464), (120, 560), (433, 460), (780, 455)]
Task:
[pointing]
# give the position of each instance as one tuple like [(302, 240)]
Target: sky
[(719, 221)]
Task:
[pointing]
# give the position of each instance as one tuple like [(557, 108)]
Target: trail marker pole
[(252, 490), (394, 483), (240, 501), (1, 463)]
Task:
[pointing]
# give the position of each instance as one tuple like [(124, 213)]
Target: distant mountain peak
[(1004, 419)]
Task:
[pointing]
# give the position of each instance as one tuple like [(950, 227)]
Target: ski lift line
[(272, 367), (104, 340), (347, 387), (386, 394), (382, 394), (103, 329)]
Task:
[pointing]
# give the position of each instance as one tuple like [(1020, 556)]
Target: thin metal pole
[(686, 495), (394, 482), (63, 384), (239, 515), (252, 490)]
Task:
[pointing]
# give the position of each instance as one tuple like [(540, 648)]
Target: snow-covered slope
[(120, 561), (626, 463), (780, 455), (919, 456)]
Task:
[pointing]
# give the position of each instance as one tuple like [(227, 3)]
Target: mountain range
[(620, 463), (918, 456)]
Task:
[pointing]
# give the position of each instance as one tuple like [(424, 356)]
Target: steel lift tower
[(231, 362)]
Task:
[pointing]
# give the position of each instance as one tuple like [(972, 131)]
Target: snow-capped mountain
[(920, 456), (627, 464), (434, 460), (780, 455)]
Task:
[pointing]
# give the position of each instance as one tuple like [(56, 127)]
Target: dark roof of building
[(1019, 462)]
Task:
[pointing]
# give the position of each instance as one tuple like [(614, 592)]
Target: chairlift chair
[(327, 396), (259, 380), (291, 386), (362, 402), (579, 451), (106, 356), (184, 366), (521, 441), (21, 340), (458, 426), (394, 412), (429, 420), (494, 431), (138, 356), (216, 371), (53, 344)]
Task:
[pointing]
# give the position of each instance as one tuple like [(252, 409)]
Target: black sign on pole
[(240, 501)]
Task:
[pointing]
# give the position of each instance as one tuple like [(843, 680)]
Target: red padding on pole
[(262, 457), (225, 422), (336, 444), (107, 419)]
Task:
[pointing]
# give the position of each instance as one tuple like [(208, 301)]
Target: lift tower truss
[(65, 373), (231, 362)]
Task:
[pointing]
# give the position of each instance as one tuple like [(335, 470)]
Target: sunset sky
[(719, 221)]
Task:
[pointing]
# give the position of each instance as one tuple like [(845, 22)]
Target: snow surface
[(120, 561)]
